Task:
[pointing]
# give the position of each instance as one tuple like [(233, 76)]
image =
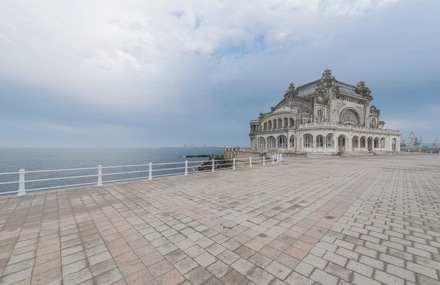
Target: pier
[(321, 220)]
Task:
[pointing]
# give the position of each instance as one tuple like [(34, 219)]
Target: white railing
[(75, 177)]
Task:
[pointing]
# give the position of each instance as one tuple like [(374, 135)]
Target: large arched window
[(271, 142), (308, 140), (319, 141), (292, 141), (261, 142), (280, 123), (286, 123), (329, 141), (282, 141), (292, 122), (349, 117)]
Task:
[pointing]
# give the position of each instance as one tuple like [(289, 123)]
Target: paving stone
[(388, 278), (234, 277), (242, 266), (185, 265), (338, 271), (359, 279), (260, 260), (219, 269), (323, 277), (198, 275), (362, 220), (298, 279), (421, 269), (260, 276), (205, 259), (360, 268), (228, 257), (278, 270)]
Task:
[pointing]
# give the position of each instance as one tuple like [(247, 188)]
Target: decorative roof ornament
[(291, 91), (327, 79), (363, 90)]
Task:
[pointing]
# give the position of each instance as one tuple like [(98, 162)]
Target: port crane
[(414, 140)]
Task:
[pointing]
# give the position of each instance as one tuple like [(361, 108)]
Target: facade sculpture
[(324, 116)]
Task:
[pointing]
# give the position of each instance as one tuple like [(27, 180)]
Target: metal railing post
[(250, 162), (264, 160), (150, 171), (233, 163), (186, 167), (21, 183), (99, 175), (213, 165)]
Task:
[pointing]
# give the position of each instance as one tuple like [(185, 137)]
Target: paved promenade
[(365, 220)]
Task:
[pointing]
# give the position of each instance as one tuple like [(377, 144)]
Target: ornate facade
[(324, 116)]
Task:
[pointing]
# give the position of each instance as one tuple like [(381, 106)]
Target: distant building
[(324, 116)]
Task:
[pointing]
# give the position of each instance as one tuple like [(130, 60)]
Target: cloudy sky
[(110, 73)]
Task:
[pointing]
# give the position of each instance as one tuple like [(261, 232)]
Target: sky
[(136, 73)]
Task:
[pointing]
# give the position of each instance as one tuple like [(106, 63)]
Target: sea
[(33, 160)]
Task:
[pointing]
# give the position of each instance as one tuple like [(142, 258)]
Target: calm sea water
[(30, 159)]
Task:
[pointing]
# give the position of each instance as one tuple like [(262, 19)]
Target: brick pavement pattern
[(328, 220)]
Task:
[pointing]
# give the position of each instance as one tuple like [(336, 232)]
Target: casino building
[(324, 116)]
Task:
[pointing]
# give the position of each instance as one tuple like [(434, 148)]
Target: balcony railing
[(326, 125), (22, 181)]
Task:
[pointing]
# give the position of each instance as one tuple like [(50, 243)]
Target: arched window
[(265, 126), (280, 123), (373, 123), (329, 141), (292, 122), (308, 140), (319, 141), (321, 115), (271, 142), (382, 142), (282, 142), (355, 142), (292, 141), (253, 143), (270, 125), (349, 117), (275, 124), (376, 143), (363, 142), (394, 144), (286, 123), (261, 142)]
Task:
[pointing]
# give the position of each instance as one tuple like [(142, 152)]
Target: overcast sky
[(111, 73)]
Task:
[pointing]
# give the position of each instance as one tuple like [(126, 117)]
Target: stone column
[(349, 145)]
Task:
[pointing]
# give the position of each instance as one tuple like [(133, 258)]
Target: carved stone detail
[(327, 80), (363, 90)]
